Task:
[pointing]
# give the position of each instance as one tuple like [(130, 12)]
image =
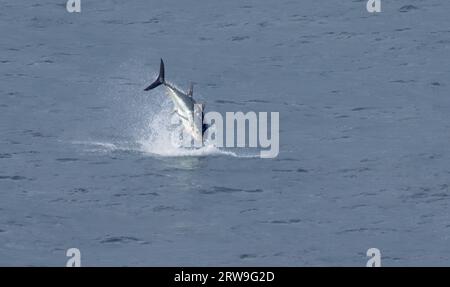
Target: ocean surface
[(364, 156)]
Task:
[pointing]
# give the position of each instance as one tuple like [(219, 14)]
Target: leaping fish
[(184, 105)]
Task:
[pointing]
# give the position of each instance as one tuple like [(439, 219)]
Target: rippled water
[(364, 133)]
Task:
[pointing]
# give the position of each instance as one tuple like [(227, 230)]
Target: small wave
[(168, 151)]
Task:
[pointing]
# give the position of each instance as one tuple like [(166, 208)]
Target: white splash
[(158, 138), (96, 146)]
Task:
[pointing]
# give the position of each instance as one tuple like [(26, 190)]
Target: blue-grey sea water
[(364, 156)]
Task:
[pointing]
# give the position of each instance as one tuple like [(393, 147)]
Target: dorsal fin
[(191, 90)]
